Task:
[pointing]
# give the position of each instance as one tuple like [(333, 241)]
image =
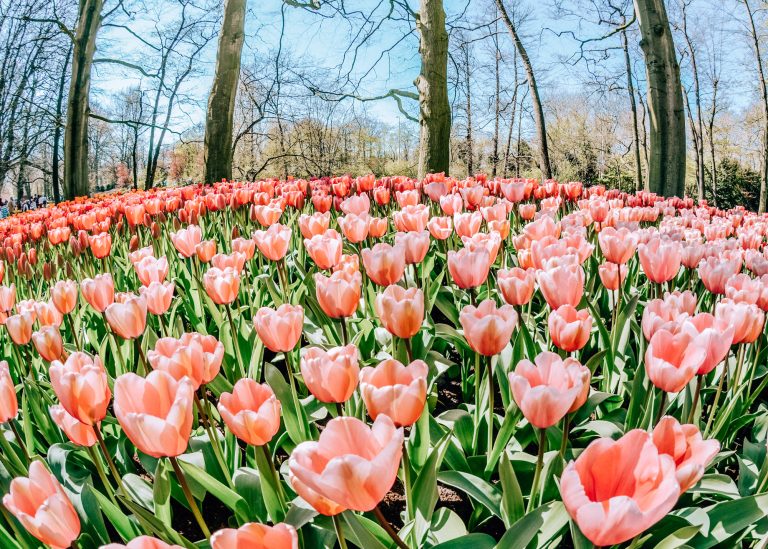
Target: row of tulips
[(383, 362)]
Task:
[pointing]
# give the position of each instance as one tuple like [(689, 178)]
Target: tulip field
[(379, 363)]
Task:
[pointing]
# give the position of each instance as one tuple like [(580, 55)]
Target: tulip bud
[(235, 232), (155, 228), (133, 245), (82, 239), (193, 218), (47, 271), (252, 213), (177, 221), (75, 245), (161, 218), (147, 220)]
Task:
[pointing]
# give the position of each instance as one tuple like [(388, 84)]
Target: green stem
[(696, 394), (235, 340), (100, 470), (490, 406), (275, 474), (566, 430), (110, 463), (662, 406), (388, 528), (8, 450), (539, 466), (19, 440), (190, 498), (408, 349), (407, 483), (213, 437), (717, 397), (339, 533), (71, 324)]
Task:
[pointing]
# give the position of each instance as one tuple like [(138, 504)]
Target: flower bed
[(379, 363)]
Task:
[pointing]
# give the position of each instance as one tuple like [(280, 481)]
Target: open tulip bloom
[(361, 362)]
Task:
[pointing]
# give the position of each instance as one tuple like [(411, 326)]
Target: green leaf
[(269, 485), (475, 541), (122, 524), (220, 491), (484, 493), (364, 532), (729, 518), (678, 538), (294, 416), (512, 504), (161, 493), (543, 524), (247, 483), (446, 526)]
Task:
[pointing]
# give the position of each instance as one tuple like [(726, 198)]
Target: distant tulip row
[(383, 362)]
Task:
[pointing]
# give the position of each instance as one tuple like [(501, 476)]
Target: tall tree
[(59, 123), (78, 108), (432, 83), (221, 103), (633, 109), (666, 170), (538, 111)]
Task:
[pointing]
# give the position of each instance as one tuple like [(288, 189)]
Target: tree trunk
[(764, 97), (699, 124), (469, 143), (633, 107), (666, 171), (497, 110), (55, 183), (432, 83), (711, 136), (221, 103), (538, 111), (78, 110)]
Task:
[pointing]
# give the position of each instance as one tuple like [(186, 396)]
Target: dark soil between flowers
[(215, 514)]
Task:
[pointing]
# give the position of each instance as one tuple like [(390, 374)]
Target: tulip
[(331, 376), (618, 245), (671, 360), (77, 432), (716, 271), (273, 243), (569, 328), (7, 297), (99, 291), (325, 249), (747, 319), (549, 389), (351, 466), (397, 391), (615, 490), (186, 240), (467, 224), (205, 250), (609, 275), (256, 536), (48, 343), (516, 285), (150, 270), (155, 412), (415, 244), (487, 328), (128, 319), (684, 443), (354, 227), (743, 289), (47, 314), (562, 285), (64, 296), (81, 385), (100, 244), (339, 294), (469, 268), (193, 355), (251, 411), (714, 335), (20, 327), (660, 259), (400, 311), (222, 285), (412, 218), (384, 264), (245, 246), (279, 330), (440, 227), (158, 296), (315, 224), (40, 504), (142, 542), (235, 260), (356, 205), (9, 406), (377, 227)]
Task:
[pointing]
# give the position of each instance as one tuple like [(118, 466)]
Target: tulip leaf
[(123, 525), (543, 524), (425, 488), (475, 541), (446, 526), (294, 415), (220, 491), (679, 538), (512, 503), (484, 493), (248, 484), (270, 485), (161, 493), (364, 532), (727, 519)]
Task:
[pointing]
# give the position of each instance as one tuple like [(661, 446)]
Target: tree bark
[(633, 108), (469, 142), (711, 136), (699, 124), (432, 83), (764, 97), (76, 132), (666, 171), (497, 109), (221, 103), (538, 111), (59, 123)]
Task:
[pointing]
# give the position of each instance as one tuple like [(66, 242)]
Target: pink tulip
[(671, 360), (99, 291), (222, 285), (64, 296), (251, 411), (397, 391), (469, 268), (142, 542), (9, 406), (716, 271), (128, 319), (487, 328), (256, 536), (193, 355), (339, 294), (569, 328), (158, 296), (400, 311), (82, 387), (618, 245), (415, 244), (77, 432), (516, 285), (562, 285), (279, 329), (660, 259), (331, 376), (149, 270), (692, 454), (712, 334), (747, 319), (273, 243), (325, 249), (20, 327), (186, 240), (384, 264)]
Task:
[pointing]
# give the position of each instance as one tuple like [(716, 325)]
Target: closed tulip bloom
[(245, 246), (48, 343), (256, 536), (9, 406), (451, 204), (412, 218), (713, 334), (325, 249), (311, 225), (47, 314), (354, 227), (280, 329), (193, 355), (549, 389), (489, 241), (158, 296), (99, 291), (400, 311), (487, 328), (415, 244), (42, 507), (20, 327), (684, 443), (100, 244), (440, 227), (693, 253), (77, 432), (235, 260), (128, 319), (618, 245), (80, 383), (222, 285), (747, 319), (64, 296), (251, 411), (562, 285), (273, 243), (671, 360), (351, 465), (142, 542), (467, 224), (186, 240), (331, 376), (349, 263), (155, 412), (616, 489), (516, 285), (715, 271), (141, 253), (469, 268), (660, 259), (358, 204), (205, 250), (384, 264), (569, 328), (394, 390), (377, 227), (743, 289), (7, 297), (151, 270), (339, 294), (609, 275)]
